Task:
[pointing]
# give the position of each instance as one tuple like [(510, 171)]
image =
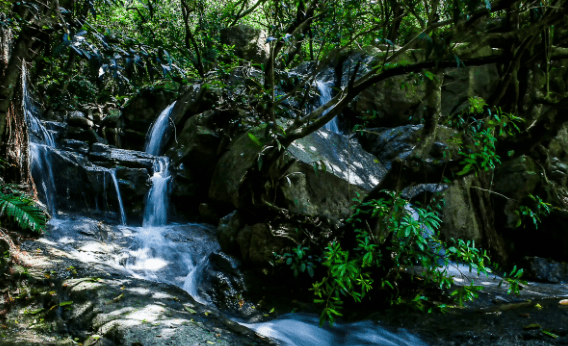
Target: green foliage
[(299, 260), (481, 134), (533, 213), (398, 245), (23, 211)]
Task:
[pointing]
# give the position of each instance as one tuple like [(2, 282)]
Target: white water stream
[(160, 250), (325, 95), (119, 196)]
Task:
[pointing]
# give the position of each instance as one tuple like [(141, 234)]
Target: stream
[(163, 251)]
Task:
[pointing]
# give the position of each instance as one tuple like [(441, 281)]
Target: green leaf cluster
[(23, 211), (401, 244)]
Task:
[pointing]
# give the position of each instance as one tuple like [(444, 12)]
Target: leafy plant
[(299, 260), (23, 211), (541, 208), (480, 153), (405, 238)]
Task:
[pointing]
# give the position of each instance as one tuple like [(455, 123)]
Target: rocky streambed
[(83, 292)]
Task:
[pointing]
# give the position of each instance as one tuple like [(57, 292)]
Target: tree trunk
[(10, 80), (6, 38)]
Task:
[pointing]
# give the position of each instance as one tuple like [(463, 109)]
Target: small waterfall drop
[(40, 144), (159, 251), (156, 211), (325, 95), (154, 144), (119, 196)]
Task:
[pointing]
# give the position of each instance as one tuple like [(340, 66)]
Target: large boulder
[(250, 43), (328, 171), (393, 102), (325, 172), (468, 81), (79, 119), (258, 243), (458, 214), (515, 179), (542, 269), (198, 144), (388, 144), (231, 169)]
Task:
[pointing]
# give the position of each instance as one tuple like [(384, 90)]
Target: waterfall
[(41, 143), (119, 196), (156, 211), (325, 95), (154, 144), (42, 173), (155, 254)]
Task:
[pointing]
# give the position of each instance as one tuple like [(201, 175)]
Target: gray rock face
[(392, 102), (86, 186), (343, 170), (120, 157), (250, 43), (326, 172), (543, 269), (388, 144), (79, 119), (460, 84), (460, 220), (516, 180)]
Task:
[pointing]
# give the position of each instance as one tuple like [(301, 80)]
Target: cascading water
[(119, 196), (41, 142), (325, 95), (177, 254), (156, 211), (303, 330), (157, 253), (154, 143)]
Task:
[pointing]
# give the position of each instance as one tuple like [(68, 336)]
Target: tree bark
[(10, 79)]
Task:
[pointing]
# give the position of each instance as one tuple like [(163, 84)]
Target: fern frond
[(23, 210)]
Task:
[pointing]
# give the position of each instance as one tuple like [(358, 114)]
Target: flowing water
[(156, 211), (325, 95), (161, 251), (154, 144), (177, 254), (41, 142), (119, 196), (303, 330)]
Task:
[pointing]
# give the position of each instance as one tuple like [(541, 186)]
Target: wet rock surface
[(547, 270), (83, 295), (500, 324)]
